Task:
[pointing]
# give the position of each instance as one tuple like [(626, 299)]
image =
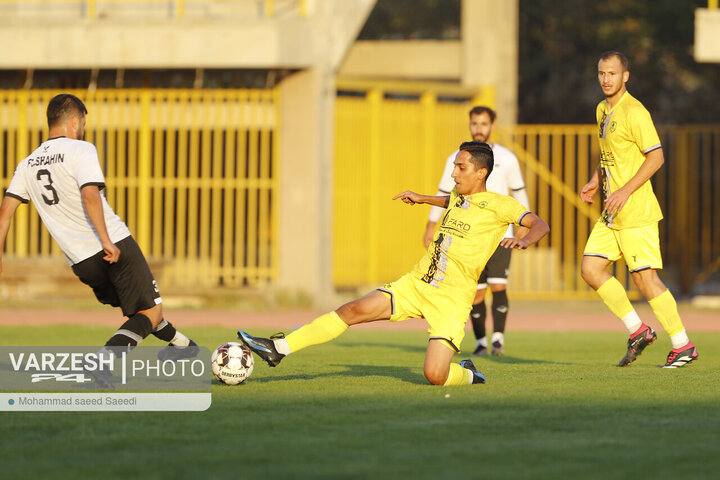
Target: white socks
[(281, 345), (632, 321)]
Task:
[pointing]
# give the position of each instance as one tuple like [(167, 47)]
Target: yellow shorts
[(640, 246), (445, 314)]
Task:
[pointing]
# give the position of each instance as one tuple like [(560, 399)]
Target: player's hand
[(616, 201), (428, 238), (411, 198), (512, 242), (112, 252), (429, 234), (588, 191)]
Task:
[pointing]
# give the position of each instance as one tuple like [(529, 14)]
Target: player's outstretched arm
[(7, 210), (94, 209), (411, 198), (537, 229), (590, 189)]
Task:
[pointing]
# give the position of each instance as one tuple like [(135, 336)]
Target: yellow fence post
[(21, 151), (144, 172), (429, 103), (375, 98), (682, 204)]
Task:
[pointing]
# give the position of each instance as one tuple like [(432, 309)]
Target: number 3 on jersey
[(45, 179)]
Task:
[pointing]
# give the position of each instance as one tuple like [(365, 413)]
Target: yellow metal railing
[(176, 8), (385, 144), (192, 172)]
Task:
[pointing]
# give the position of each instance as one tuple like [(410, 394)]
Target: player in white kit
[(506, 179), (63, 179)]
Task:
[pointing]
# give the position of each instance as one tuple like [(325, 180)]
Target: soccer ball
[(232, 363)]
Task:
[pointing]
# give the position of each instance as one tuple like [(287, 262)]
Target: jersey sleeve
[(17, 188), (643, 130), (88, 171), (446, 185), (512, 211)]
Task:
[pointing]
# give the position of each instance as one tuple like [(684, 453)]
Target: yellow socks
[(458, 376), (666, 311), (323, 329), (615, 297)]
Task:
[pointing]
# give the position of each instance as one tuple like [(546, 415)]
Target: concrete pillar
[(305, 180), (490, 51)]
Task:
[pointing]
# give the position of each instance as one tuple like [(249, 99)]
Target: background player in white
[(506, 179), (63, 179)]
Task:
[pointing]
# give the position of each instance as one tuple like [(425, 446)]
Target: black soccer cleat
[(263, 347), (497, 349), (637, 344), (478, 377), (677, 359), (480, 351), (175, 353), (101, 378)]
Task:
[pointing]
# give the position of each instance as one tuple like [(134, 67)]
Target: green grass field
[(359, 407)]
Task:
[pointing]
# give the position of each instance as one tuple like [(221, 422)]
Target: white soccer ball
[(232, 363)]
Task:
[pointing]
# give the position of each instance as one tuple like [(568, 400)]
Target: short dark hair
[(481, 155), (612, 53), (64, 106), (478, 110)]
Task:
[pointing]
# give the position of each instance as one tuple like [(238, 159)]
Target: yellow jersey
[(467, 235), (627, 134)]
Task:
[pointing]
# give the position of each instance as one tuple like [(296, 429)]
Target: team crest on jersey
[(613, 126), (482, 204)]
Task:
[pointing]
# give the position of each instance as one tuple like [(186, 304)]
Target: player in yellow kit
[(630, 153), (442, 285)]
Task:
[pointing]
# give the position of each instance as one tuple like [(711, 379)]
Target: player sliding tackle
[(442, 285)]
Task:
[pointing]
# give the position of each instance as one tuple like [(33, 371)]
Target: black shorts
[(497, 268), (128, 284)]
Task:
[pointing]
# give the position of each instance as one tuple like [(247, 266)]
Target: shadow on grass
[(405, 374), (510, 360), (405, 348), (505, 359)]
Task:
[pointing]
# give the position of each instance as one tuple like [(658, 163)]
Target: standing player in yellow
[(442, 285), (630, 153)]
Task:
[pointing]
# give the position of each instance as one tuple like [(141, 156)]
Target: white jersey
[(52, 177), (506, 178)]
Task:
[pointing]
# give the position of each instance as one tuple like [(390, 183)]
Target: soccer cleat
[(480, 351), (263, 347), (637, 344), (478, 377), (101, 378), (679, 357), (497, 349), (175, 353)]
